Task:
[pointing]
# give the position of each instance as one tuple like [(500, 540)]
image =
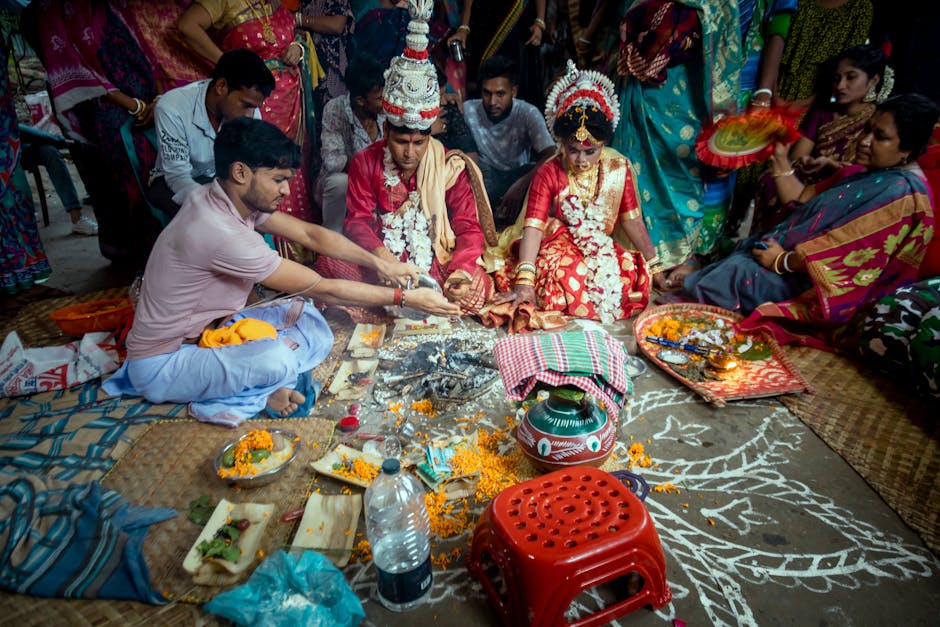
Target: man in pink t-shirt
[(202, 269)]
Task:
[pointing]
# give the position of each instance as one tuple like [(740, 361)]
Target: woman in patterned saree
[(858, 236), (511, 29), (153, 23), (681, 66), (23, 262), (830, 131), (567, 260), (98, 77), (265, 27)]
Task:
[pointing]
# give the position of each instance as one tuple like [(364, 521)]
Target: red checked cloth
[(589, 360)]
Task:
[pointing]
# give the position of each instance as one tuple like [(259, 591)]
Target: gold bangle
[(522, 266), (777, 262), (524, 281), (463, 27), (528, 274)]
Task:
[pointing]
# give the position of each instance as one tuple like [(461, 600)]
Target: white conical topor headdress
[(585, 88), (411, 96)]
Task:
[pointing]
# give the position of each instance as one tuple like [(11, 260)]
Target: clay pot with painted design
[(561, 432)]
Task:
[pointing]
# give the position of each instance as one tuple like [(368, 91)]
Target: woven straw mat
[(889, 437), (25, 611), (171, 465)]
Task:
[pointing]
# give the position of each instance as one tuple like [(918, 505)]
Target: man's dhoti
[(230, 384)]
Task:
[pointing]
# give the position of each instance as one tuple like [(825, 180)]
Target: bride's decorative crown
[(584, 89)]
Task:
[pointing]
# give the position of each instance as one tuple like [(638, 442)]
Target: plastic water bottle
[(399, 531)]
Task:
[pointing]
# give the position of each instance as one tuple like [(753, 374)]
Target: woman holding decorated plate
[(851, 239), (831, 129), (580, 248)]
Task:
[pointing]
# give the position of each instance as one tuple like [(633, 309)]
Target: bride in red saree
[(584, 251)]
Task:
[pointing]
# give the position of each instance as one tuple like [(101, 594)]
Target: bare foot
[(285, 401), (676, 276)]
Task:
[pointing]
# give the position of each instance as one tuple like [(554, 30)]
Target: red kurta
[(368, 197)]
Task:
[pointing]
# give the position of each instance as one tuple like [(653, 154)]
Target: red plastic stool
[(540, 544)]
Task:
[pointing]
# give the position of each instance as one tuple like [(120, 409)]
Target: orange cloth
[(244, 330)]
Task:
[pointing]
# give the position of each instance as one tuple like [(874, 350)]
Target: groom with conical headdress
[(409, 199)]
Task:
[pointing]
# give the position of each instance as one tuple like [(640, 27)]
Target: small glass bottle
[(133, 292)]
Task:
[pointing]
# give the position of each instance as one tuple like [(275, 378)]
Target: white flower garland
[(406, 230), (388, 169), (586, 220)]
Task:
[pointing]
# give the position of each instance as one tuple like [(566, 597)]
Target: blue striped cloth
[(78, 541), (61, 533)]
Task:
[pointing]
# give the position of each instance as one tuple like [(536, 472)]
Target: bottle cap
[(391, 466)]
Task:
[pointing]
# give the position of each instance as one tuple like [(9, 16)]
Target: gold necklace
[(263, 16), (584, 184)]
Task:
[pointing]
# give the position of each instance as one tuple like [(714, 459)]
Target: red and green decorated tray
[(740, 140), (761, 368)]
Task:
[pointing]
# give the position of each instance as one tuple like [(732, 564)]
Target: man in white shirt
[(187, 119), (351, 122), (511, 136)]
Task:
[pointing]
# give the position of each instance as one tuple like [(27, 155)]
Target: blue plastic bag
[(287, 592)]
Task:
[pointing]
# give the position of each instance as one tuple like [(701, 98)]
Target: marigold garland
[(424, 406)]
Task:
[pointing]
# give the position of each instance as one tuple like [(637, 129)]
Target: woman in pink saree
[(153, 23), (265, 27)]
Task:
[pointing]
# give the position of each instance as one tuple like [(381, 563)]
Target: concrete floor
[(77, 264), (799, 538)]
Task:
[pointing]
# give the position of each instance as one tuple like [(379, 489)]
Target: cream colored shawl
[(437, 173)]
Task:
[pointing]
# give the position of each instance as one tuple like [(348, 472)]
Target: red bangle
[(397, 298)]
